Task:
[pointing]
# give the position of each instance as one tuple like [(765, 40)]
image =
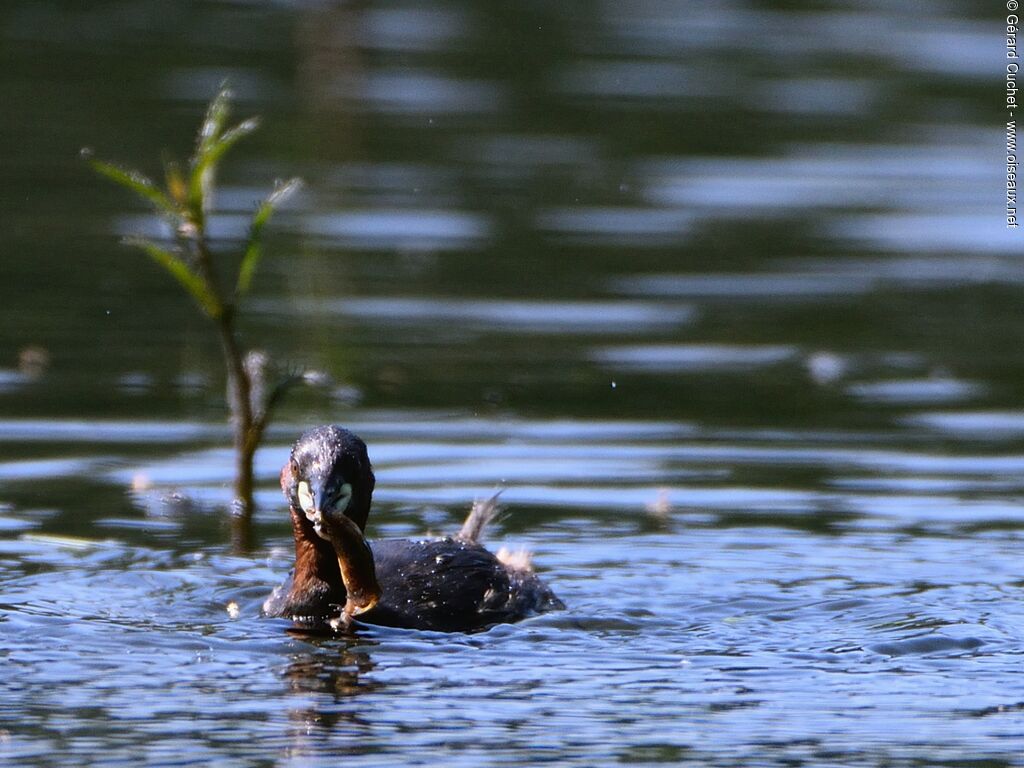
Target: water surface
[(719, 296)]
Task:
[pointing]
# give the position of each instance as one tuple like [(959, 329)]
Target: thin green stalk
[(184, 203)]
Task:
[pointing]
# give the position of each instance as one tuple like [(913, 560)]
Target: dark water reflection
[(721, 295)]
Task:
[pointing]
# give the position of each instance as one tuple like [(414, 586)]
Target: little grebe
[(450, 585)]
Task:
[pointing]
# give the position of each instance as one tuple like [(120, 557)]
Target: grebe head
[(329, 473)]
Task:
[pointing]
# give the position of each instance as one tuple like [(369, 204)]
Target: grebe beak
[(310, 498)]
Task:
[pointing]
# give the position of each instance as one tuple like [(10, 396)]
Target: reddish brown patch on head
[(288, 480)]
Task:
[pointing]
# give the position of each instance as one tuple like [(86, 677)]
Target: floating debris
[(661, 507), (33, 361)]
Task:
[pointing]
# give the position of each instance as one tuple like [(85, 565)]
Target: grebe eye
[(340, 503), (305, 497)]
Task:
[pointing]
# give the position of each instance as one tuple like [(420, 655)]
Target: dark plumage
[(451, 585)]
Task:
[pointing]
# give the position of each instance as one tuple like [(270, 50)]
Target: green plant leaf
[(213, 123), (204, 163), (253, 246), (231, 136), (175, 184), (181, 272), (141, 185), (201, 173)]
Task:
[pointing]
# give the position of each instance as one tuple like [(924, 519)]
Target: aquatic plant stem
[(246, 436), (184, 205)]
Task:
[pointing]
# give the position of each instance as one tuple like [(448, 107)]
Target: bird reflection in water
[(325, 684)]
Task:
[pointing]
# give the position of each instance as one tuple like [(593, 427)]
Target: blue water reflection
[(719, 295)]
